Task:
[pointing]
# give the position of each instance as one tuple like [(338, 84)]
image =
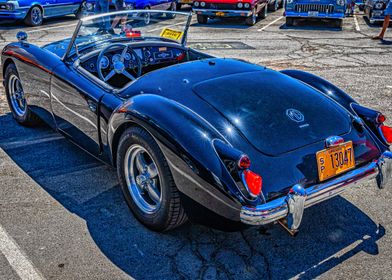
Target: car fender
[(323, 86), (186, 140)]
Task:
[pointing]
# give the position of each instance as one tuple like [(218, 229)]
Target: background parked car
[(33, 12), (142, 4), (324, 9), (183, 2), (250, 10), (374, 10)]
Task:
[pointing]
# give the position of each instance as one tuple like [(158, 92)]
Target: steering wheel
[(119, 66)]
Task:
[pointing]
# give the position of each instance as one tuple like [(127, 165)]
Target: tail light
[(387, 133), (381, 118), (253, 181), (244, 162)]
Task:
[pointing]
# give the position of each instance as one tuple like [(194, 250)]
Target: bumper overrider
[(288, 211), (223, 13)]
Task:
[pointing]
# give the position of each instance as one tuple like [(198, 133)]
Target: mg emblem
[(295, 115)]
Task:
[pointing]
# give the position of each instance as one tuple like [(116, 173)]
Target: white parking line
[(50, 28), (269, 24), (17, 259), (356, 23)]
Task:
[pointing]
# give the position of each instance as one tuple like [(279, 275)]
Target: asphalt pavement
[(62, 215)]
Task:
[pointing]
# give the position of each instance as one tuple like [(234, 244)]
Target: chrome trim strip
[(278, 208), (223, 11)]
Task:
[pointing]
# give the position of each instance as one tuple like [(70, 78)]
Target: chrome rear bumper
[(292, 206)]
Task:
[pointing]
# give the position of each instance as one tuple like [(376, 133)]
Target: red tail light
[(244, 162), (253, 181), (387, 133), (381, 118)]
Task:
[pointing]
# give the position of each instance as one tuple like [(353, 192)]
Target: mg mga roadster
[(33, 12), (332, 10), (248, 9), (186, 132)]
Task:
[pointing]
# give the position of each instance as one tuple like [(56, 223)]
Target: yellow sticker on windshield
[(171, 34)]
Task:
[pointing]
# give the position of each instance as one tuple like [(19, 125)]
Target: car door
[(49, 7), (75, 105), (65, 7)]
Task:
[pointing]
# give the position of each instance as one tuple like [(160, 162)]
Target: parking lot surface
[(62, 215)]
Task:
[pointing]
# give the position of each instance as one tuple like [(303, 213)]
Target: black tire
[(178, 6), (263, 12), (289, 21), (252, 19), (338, 23), (202, 19), (147, 16), (34, 17), (173, 8), (274, 6), (170, 213), (26, 118)]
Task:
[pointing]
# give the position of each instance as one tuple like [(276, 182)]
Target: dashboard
[(149, 55)]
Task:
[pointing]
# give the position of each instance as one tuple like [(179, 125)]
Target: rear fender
[(323, 86), (186, 140)]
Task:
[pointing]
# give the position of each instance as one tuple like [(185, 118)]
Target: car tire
[(178, 6), (15, 98), (173, 8), (252, 19), (289, 21), (160, 209), (263, 13), (274, 7), (147, 16), (202, 19), (34, 17)]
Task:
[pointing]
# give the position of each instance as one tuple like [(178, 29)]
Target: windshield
[(130, 25)]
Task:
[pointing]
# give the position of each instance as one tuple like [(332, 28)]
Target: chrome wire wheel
[(36, 16), (143, 179), (17, 97), (147, 17)]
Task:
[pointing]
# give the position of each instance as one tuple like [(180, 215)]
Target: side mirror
[(21, 36)]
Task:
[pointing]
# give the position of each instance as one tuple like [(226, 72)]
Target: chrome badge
[(295, 115)]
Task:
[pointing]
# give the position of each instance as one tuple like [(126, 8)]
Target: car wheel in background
[(179, 6), (34, 17), (252, 19), (263, 12), (202, 19), (289, 21), (147, 17), (274, 7), (173, 8), (147, 182), (16, 98)]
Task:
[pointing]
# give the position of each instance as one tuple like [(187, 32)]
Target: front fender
[(186, 140), (323, 86)]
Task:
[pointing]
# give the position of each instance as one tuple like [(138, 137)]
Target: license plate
[(220, 14), (335, 160), (313, 14), (186, 1)]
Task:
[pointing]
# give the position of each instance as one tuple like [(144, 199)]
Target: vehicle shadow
[(46, 23), (311, 24), (331, 232), (231, 23)]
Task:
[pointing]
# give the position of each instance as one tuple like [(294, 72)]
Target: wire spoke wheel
[(143, 179)]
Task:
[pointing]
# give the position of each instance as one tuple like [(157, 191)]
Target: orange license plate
[(335, 160), (220, 14)]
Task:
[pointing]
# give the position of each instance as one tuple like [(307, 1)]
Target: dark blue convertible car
[(221, 141), (32, 12)]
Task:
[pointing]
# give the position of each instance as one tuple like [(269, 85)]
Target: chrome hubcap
[(17, 97), (36, 15), (143, 179), (147, 18)]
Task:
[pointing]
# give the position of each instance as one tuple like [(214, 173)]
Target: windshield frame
[(89, 18)]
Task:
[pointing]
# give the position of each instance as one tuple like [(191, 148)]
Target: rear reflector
[(244, 162), (387, 133), (381, 118), (253, 181)]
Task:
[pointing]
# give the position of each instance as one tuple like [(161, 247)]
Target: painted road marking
[(50, 28), (17, 259), (269, 24), (356, 23)]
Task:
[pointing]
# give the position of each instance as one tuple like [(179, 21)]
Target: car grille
[(322, 8), (217, 6)]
